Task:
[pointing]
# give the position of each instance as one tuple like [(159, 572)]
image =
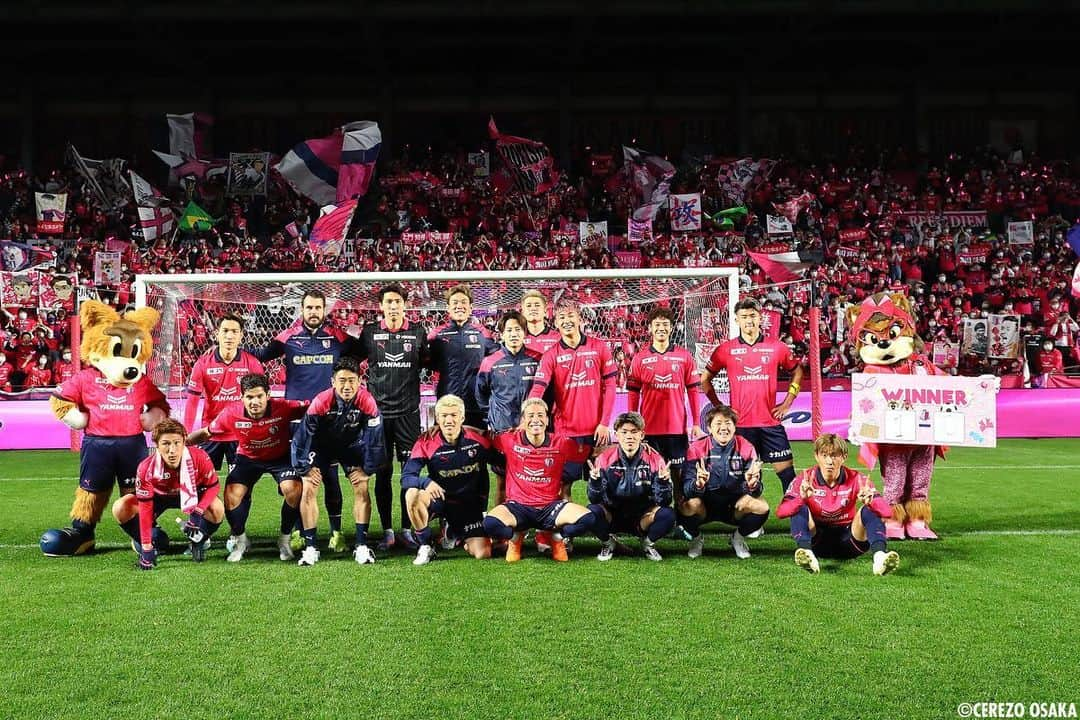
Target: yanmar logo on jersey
[(535, 475), (313, 360), (664, 382), (751, 374), (228, 394), (117, 402), (395, 360)]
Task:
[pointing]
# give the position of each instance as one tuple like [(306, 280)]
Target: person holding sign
[(836, 512)]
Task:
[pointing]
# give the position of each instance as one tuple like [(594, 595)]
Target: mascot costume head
[(113, 400)]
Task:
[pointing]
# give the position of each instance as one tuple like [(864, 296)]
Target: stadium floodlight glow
[(703, 300)]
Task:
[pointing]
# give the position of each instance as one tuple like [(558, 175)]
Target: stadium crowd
[(854, 212)]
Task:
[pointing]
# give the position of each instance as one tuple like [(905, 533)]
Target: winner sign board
[(924, 410)]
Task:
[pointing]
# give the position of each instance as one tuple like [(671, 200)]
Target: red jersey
[(534, 474), (661, 382), (5, 376), (834, 505), (219, 383), (62, 372), (114, 412), (264, 439), (542, 342), (582, 381), (752, 372), (167, 484)]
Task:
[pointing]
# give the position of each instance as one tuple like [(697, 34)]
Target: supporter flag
[(189, 134), (51, 211), (104, 179), (359, 151), (16, 256), (638, 231), (247, 173), (528, 161), (778, 225), (1076, 281), (794, 206), (730, 214), (146, 195), (328, 233), (106, 268), (736, 178), (480, 162), (156, 222), (650, 177), (685, 212), (787, 266), (195, 219), (593, 234), (313, 166), (1073, 238)]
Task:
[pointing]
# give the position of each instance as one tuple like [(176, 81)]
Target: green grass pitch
[(988, 614)]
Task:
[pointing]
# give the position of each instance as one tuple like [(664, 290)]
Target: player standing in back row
[(752, 362)]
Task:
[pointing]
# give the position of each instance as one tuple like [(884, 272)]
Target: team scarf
[(189, 494)]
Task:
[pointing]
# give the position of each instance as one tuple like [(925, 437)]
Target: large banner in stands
[(30, 424)]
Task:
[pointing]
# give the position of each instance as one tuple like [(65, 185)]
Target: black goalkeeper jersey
[(394, 359)]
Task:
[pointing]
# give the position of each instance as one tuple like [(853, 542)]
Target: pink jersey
[(542, 342), (265, 439), (831, 505), (582, 380), (218, 382), (662, 382), (752, 371), (148, 487), (114, 412), (534, 474)]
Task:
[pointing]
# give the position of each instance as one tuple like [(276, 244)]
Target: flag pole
[(817, 421)]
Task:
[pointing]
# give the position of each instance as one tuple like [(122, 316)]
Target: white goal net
[(615, 305)]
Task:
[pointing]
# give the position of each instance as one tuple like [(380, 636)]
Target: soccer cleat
[(885, 562), (296, 541), (449, 541), (568, 543), (284, 548), (651, 553), (388, 541), (607, 550), (807, 561), (738, 544), (679, 533), (513, 549), (697, 546), (230, 544), (543, 541), (337, 542), (309, 557), (66, 542), (408, 539), (760, 532), (919, 530), (424, 555), (240, 545), (363, 555), (559, 550)]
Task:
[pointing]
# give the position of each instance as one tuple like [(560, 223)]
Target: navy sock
[(752, 522), (237, 517), (875, 529), (131, 527), (424, 536), (497, 529), (800, 528), (289, 517), (361, 533), (786, 476), (601, 527), (208, 528), (332, 497), (663, 522), (691, 523), (582, 525), (384, 496), (405, 522), (309, 537)]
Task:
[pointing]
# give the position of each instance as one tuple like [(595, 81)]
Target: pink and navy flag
[(529, 162), (359, 151), (313, 166), (328, 233), (787, 266), (1073, 238), (650, 177)]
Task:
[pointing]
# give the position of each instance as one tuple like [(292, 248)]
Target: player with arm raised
[(630, 488), (722, 482), (309, 353), (456, 484), (396, 350), (826, 518), (341, 425), (261, 425), (174, 476), (457, 349), (215, 380), (539, 335), (502, 384), (752, 362), (535, 460)]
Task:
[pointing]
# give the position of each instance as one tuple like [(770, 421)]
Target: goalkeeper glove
[(193, 529), (147, 559)]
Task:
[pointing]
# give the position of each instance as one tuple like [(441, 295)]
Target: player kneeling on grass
[(343, 426), (630, 489), (535, 460), (456, 484), (174, 476), (722, 481), (826, 518)]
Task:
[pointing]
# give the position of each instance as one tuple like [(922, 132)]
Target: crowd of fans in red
[(493, 230)]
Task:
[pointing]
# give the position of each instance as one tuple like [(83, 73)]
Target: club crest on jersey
[(588, 363), (548, 462), (273, 429), (407, 346), (471, 452), (473, 338), (326, 343)]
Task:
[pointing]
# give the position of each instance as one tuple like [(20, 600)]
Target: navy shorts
[(836, 541), (328, 470), (771, 443), (574, 468), (540, 518), (247, 472), (673, 449), (720, 507), (165, 502), (224, 451), (626, 518), (105, 460), (464, 517), (399, 435), (351, 458)]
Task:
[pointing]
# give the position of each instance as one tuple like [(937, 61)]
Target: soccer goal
[(615, 305)]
